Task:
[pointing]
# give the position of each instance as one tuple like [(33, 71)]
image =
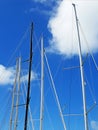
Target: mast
[(42, 85), (13, 96), (18, 90), (29, 78), (81, 71)]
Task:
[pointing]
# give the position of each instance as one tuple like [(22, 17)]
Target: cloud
[(43, 1), (25, 77), (62, 27), (40, 1), (94, 125), (45, 7), (7, 75), (41, 11), (48, 3)]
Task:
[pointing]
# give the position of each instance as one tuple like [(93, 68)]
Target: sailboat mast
[(81, 71), (42, 85), (29, 78), (18, 90), (13, 96)]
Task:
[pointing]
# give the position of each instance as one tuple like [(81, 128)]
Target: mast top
[(73, 4)]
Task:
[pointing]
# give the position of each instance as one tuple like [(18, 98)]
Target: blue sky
[(55, 20)]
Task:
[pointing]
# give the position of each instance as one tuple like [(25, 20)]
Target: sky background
[(55, 20)]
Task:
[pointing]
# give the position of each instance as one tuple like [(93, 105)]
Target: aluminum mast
[(13, 95), (42, 85), (81, 71), (18, 90)]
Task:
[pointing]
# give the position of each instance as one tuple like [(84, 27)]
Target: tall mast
[(18, 90), (81, 71), (29, 77), (13, 97), (42, 85)]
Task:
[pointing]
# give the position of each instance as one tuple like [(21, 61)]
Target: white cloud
[(7, 75), (48, 3), (44, 7), (25, 77), (41, 11), (63, 27), (94, 125), (43, 1)]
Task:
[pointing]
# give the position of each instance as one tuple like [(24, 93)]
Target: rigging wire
[(37, 42), (13, 54), (57, 70), (55, 75), (4, 99), (89, 59), (92, 78), (88, 47), (93, 97), (18, 45), (70, 83), (7, 108), (45, 106), (47, 91), (31, 119), (70, 88), (21, 41), (49, 117), (49, 83), (95, 64), (49, 80), (58, 103)]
